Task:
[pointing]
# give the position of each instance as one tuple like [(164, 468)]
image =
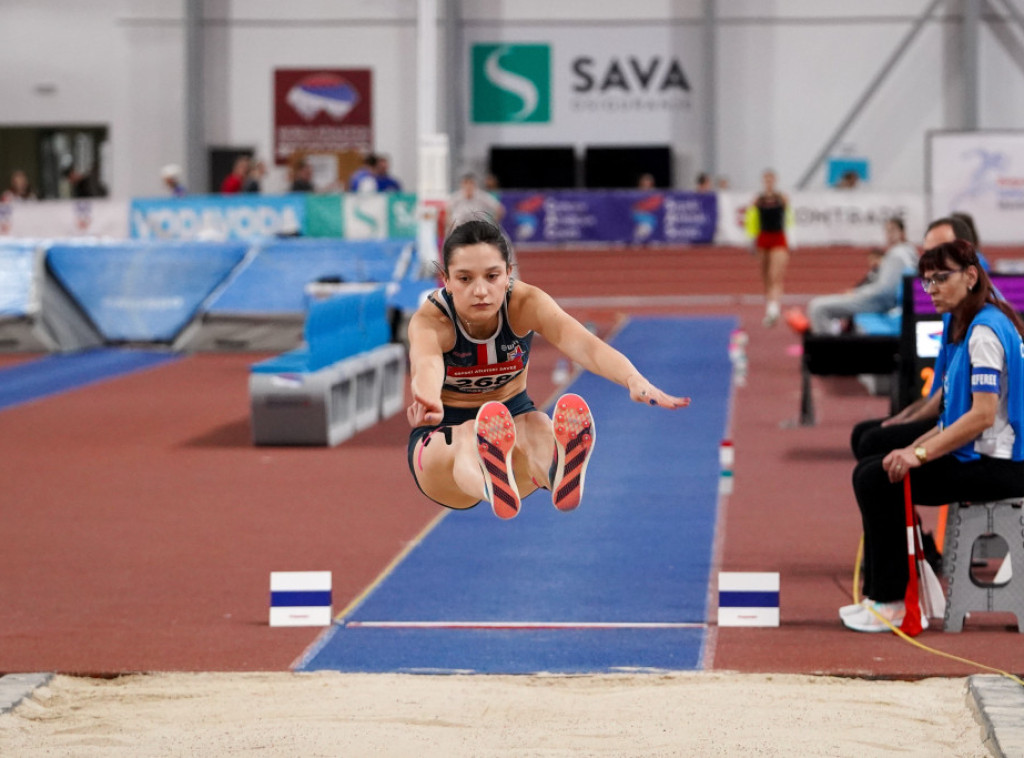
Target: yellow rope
[(911, 640)]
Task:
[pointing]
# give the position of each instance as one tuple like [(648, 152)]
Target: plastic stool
[(968, 522)]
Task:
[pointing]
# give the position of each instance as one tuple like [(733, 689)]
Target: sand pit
[(332, 714)]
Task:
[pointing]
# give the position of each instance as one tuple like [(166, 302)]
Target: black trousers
[(944, 480), (871, 438)]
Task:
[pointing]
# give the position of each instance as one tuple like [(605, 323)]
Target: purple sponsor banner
[(673, 217), (554, 216), (609, 216)]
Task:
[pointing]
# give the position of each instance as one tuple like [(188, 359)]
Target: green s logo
[(511, 84)]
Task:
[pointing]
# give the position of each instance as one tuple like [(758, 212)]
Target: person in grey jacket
[(877, 295)]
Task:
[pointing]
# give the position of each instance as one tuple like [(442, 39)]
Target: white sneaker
[(865, 620), (854, 608)]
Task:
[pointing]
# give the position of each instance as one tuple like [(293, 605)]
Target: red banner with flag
[(322, 111)]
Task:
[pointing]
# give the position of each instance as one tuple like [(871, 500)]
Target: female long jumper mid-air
[(476, 433)]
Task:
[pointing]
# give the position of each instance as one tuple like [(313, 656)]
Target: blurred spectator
[(470, 202), (491, 183), (849, 180), (704, 183), (972, 237), (302, 176), (646, 182), (875, 256), (75, 183), (254, 178), (386, 182), (968, 219), (365, 178), (878, 294), (171, 175), (723, 183), (234, 181), (19, 188)]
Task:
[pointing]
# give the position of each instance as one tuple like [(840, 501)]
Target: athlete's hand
[(423, 412), (642, 391)]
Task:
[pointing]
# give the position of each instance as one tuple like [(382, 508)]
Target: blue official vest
[(956, 383)]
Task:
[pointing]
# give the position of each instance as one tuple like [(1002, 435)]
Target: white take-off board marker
[(300, 598), (748, 598)]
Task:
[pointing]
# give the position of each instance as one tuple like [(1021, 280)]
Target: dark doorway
[(59, 161)]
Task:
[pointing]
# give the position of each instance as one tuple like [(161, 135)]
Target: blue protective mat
[(59, 373), (275, 279), (17, 268), (637, 552), (143, 291)]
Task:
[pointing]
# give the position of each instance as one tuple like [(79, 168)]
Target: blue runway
[(619, 585), (60, 373)]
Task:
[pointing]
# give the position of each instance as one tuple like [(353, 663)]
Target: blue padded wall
[(143, 291), (274, 280), (16, 270)]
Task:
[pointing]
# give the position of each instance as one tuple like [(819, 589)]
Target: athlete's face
[(477, 278)]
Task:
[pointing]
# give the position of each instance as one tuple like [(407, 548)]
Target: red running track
[(140, 525)]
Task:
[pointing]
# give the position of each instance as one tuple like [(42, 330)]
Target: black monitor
[(621, 166), (540, 167)]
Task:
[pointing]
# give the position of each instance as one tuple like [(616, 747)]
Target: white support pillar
[(432, 144), (195, 131), (426, 67)]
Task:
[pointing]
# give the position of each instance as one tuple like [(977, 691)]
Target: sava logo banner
[(512, 83), (627, 84)]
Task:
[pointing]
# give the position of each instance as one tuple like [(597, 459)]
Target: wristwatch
[(922, 454)]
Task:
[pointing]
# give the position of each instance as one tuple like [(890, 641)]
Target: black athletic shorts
[(517, 406)]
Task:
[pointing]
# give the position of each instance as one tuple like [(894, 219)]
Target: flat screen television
[(621, 166), (536, 167)]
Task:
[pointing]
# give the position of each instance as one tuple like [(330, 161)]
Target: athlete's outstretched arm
[(538, 311), (426, 370)]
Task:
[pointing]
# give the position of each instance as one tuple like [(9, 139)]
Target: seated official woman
[(975, 453)]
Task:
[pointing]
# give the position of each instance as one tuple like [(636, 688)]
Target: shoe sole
[(873, 625), (876, 626), (573, 426), (495, 439)]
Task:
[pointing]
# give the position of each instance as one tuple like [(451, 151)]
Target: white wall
[(789, 71), (240, 62)]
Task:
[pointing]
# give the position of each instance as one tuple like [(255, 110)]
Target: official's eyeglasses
[(939, 277)]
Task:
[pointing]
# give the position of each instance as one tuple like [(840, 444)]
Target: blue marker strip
[(299, 599), (748, 599)]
